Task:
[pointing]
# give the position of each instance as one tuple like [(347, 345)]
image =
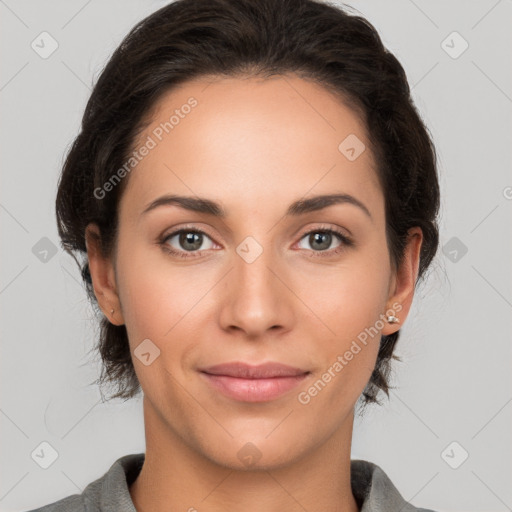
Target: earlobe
[(103, 276), (404, 282)]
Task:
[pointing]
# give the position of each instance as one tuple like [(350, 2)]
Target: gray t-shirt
[(372, 489)]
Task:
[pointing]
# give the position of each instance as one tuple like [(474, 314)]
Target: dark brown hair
[(193, 38)]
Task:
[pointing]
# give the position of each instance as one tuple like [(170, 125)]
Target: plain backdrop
[(443, 437)]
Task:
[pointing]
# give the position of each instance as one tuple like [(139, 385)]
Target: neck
[(177, 477)]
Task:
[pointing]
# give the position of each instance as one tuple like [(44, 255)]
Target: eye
[(321, 239), (190, 243), (186, 242)]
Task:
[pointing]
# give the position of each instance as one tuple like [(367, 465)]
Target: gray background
[(454, 384)]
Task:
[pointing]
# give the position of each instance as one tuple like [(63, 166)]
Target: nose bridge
[(256, 298), (252, 268)]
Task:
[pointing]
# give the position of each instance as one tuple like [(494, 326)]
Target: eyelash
[(344, 239)]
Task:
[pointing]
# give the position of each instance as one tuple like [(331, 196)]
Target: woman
[(257, 198)]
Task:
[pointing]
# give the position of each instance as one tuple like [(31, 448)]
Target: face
[(305, 286)]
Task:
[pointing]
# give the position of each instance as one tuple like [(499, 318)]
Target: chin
[(254, 453)]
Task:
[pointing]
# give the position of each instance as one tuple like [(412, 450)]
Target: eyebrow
[(300, 207)]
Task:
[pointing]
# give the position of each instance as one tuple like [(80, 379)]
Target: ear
[(401, 290), (103, 276)]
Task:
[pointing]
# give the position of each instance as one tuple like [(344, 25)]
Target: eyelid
[(186, 227), (327, 227)]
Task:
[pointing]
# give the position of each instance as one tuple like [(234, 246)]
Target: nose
[(256, 298)]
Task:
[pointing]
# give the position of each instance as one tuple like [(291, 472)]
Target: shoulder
[(374, 491), (109, 492), (72, 503)]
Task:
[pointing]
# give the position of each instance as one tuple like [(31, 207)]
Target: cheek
[(155, 294), (348, 297), (161, 303), (351, 302)]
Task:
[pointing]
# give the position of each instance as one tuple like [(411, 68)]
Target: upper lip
[(246, 371)]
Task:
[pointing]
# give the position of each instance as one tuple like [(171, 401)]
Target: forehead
[(239, 140)]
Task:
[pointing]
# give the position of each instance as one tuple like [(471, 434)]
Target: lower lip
[(254, 390)]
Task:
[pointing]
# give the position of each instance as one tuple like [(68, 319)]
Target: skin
[(254, 146)]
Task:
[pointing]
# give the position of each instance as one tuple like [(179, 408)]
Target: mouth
[(247, 383)]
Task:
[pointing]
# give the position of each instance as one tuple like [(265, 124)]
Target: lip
[(249, 383), (247, 371)]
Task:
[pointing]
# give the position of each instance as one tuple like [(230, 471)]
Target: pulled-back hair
[(192, 38)]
